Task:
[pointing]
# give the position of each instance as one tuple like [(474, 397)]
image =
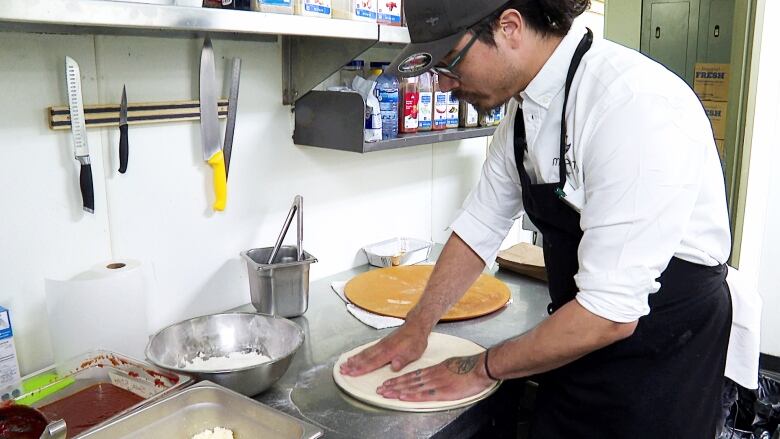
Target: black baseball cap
[(435, 27)]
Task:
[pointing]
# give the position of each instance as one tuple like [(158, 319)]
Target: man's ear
[(510, 27)]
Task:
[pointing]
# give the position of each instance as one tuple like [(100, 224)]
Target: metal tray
[(204, 406), (398, 251), (101, 366)]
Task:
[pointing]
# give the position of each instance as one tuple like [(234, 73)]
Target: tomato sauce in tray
[(91, 406)]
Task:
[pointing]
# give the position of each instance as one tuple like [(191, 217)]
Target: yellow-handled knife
[(209, 124)]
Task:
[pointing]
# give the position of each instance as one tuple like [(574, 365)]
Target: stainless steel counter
[(307, 390)]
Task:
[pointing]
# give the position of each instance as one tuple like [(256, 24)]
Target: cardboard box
[(716, 111), (10, 378), (711, 81), (721, 144)]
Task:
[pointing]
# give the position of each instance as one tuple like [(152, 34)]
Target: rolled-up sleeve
[(495, 202), (642, 166)]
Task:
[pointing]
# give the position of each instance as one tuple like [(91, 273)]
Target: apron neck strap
[(582, 48)]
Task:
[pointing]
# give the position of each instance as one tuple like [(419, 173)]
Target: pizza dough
[(440, 347), (393, 291)]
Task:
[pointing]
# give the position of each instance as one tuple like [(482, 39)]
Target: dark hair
[(547, 17)]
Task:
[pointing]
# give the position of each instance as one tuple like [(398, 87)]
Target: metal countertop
[(307, 390)]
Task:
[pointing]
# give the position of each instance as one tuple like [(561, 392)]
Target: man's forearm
[(457, 268), (567, 335)]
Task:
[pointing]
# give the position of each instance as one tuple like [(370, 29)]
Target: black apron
[(662, 382)]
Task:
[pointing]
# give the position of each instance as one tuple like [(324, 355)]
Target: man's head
[(485, 51)]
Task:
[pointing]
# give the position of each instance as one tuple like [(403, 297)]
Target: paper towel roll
[(101, 308)]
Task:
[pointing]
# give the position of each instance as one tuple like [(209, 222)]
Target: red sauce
[(91, 406), (21, 422)]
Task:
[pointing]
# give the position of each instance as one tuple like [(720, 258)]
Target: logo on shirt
[(571, 165)]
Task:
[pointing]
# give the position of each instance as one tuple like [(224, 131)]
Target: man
[(612, 157)]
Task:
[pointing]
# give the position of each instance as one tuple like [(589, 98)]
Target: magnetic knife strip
[(137, 113)]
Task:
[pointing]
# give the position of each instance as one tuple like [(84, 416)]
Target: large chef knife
[(235, 79), (79, 130), (123, 142), (209, 124)]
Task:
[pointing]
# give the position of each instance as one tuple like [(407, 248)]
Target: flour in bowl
[(217, 433), (233, 360)]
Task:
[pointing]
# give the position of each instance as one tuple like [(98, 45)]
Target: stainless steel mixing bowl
[(221, 334)]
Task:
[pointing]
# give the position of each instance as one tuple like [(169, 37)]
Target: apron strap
[(582, 48)]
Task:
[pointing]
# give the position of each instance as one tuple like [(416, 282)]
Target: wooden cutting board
[(393, 291)]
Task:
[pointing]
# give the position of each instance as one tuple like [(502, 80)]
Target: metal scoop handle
[(55, 430), (297, 207)]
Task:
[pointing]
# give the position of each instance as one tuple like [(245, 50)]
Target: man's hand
[(399, 349), (454, 378)]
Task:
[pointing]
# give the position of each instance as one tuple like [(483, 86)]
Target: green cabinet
[(670, 31)]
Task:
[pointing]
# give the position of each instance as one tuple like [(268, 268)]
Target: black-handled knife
[(85, 183), (123, 143), (79, 131)]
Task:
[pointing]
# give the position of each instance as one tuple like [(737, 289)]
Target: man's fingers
[(366, 361)]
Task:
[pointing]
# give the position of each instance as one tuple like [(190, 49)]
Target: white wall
[(159, 211), (760, 252)]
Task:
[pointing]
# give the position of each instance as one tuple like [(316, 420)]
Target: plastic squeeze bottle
[(425, 105), (408, 109), (439, 105)]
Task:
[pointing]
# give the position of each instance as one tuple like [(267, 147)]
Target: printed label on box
[(716, 111), (711, 81)]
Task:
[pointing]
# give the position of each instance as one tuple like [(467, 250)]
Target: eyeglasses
[(449, 69)]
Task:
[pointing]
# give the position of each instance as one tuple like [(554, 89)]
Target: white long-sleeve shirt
[(643, 161)]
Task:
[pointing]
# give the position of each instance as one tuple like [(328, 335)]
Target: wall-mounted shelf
[(334, 120), (394, 34), (313, 48), (120, 18)]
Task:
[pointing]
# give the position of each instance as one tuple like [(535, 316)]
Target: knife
[(235, 79), (123, 146), (79, 130), (209, 124)]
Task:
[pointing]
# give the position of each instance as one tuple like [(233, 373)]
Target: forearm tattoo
[(461, 365)]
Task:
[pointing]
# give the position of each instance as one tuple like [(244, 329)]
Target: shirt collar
[(551, 79)]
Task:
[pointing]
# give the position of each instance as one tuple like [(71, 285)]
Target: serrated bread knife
[(79, 130)]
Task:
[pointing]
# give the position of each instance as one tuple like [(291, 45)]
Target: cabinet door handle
[(658, 32), (717, 30)]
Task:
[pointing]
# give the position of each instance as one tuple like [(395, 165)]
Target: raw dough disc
[(393, 291), (440, 347)]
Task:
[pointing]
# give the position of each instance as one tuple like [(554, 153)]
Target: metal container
[(398, 251), (281, 288), (217, 335), (205, 406), (97, 367)]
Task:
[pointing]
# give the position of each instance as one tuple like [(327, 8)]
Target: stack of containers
[(362, 10)]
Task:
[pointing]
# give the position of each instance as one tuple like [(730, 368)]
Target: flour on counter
[(233, 360), (217, 433)]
